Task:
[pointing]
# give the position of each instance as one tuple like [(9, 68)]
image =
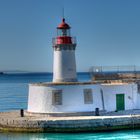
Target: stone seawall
[(11, 121)]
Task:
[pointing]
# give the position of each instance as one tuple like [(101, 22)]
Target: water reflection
[(117, 135)]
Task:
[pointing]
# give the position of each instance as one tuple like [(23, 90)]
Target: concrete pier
[(12, 121)]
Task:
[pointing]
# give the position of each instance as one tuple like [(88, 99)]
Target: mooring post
[(96, 111), (21, 112)]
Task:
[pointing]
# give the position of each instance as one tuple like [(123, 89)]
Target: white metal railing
[(102, 69), (114, 68)]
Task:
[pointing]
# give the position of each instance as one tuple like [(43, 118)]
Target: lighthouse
[(65, 97), (64, 65)]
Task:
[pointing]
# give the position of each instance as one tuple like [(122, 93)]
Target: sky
[(107, 32)]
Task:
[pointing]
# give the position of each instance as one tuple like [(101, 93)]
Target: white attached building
[(82, 97)]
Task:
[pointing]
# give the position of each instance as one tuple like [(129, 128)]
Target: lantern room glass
[(63, 32)]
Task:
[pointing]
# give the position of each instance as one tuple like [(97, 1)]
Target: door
[(120, 102)]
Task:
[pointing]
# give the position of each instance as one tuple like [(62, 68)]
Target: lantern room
[(63, 35), (63, 29)]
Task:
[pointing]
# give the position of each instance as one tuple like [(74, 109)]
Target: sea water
[(14, 95)]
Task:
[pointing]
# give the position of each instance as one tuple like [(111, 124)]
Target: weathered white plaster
[(129, 91), (40, 97), (64, 66)]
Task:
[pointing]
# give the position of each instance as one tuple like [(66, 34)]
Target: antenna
[(63, 12)]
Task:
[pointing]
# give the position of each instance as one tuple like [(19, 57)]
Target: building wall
[(129, 91), (40, 98), (138, 96)]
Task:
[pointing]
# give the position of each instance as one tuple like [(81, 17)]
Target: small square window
[(138, 86), (57, 97), (88, 97)]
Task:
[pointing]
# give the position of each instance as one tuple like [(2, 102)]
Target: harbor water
[(14, 95)]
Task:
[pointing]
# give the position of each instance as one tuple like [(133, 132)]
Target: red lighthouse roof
[(63, 25)]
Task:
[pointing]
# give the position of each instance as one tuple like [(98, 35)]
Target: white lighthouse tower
[(64, 65)]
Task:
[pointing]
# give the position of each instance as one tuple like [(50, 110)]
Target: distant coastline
[(29, 73)]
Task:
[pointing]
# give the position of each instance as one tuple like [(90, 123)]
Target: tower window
[(57, 97), (88, 97), (138, 86)]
